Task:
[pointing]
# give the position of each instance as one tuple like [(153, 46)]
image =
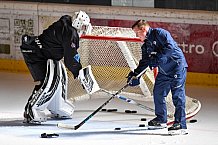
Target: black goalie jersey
[(61, 40)]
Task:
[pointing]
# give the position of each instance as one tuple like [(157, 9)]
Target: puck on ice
[(47, 135), (143, 119), (133, 111), (130, 111), (127, 111), (117, 128), (141, 125), (193, 121), (103, 109), (111, 110)]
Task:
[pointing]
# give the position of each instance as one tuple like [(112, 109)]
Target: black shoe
[(154, 123), (175, 126), (177, 129)]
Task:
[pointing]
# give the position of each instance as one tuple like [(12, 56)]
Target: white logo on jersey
[(73, 45), (38, 43), (154, 42)]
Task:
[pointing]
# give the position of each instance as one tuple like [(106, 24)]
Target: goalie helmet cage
[(113, 52)]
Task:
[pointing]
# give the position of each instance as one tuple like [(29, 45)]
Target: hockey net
[(113, 52)]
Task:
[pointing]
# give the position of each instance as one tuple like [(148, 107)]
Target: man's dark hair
[(140, 23)]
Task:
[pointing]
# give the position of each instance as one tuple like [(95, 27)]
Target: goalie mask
[(81, 22)]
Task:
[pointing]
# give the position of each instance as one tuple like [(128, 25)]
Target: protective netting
[(113, 52)]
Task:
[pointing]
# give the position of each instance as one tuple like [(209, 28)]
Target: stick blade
[(66, 126)]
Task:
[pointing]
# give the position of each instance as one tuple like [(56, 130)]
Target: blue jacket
[(160, 50)]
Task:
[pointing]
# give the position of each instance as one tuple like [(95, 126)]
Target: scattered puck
[(143, 119), (128, 111), (111, 110), (193, 121), (141, 125), (118, 128), (103, 109), (47, 135), (133, 111)]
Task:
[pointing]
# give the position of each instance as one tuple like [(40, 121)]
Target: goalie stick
[(99, 108)]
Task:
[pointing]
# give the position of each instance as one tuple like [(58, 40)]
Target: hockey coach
[(160, 50)]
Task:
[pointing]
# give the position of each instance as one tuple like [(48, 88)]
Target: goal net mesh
[(113, 52)]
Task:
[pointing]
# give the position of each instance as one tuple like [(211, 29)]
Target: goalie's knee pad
[(51, 96)]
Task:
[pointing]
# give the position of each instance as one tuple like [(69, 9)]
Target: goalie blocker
[(87, 80), (51, 96)]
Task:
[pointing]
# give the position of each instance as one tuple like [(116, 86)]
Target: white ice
[(15, 89)]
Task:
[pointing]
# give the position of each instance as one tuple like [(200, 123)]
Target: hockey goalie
[(42, 55)]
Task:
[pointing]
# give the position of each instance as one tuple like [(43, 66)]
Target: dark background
[(209, 5)]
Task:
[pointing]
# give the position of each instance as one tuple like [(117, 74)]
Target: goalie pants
[(36, 63), (176, 84)]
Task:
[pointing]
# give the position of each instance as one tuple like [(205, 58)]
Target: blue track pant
[(163, 85)]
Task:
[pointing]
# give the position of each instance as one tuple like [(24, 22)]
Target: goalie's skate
[(27, 117), (33, 116)]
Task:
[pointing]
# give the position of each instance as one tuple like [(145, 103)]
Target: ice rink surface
[(99, 130)]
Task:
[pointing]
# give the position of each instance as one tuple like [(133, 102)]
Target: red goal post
[(114, 38)]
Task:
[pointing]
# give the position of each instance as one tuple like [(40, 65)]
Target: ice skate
[(155, 124), (33, 116), (176, 129)]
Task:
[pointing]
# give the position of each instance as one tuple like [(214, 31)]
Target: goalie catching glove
[(132, 80)]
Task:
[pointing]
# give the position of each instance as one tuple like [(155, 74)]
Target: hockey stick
[(89, 83), (130, 101), (99, 108)]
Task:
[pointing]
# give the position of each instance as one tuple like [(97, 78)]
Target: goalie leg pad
[(60, 107), (52, 96), (41, 99)]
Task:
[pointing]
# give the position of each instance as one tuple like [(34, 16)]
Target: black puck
[(143, 119), (141, 125), (117, 128), (103, 109), (193, 121), (133, 111), (43, 135), (128, 111), (47, 135), (111, 110)]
